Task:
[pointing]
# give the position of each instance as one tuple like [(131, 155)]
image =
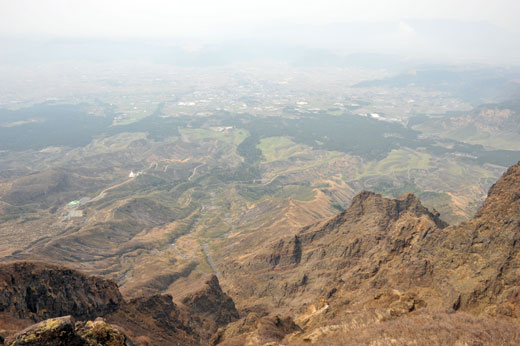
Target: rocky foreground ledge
[(72, 308)]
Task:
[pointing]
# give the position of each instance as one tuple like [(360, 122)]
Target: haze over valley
[(211, 187)]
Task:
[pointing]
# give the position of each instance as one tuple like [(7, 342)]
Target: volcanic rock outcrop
[(211, 303), (381, 259), (64, 331), (33, 292), (38, 291)]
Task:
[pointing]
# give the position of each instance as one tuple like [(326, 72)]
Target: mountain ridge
[(354, 278), (381, 259)]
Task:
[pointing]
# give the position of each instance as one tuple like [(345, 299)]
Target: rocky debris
[(56, 331), (39, 291), (64, 331)]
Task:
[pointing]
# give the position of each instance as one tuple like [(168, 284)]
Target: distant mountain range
[(492, 125), (381, 44), (475, 86)]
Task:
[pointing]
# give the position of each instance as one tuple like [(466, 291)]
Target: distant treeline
[(46, 125)]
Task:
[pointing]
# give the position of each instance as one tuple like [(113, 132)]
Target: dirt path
[(195, 171), (103, 193)]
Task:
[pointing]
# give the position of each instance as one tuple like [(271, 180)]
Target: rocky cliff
[(38, 291), (382, 259), (384, 271), (32, 292)]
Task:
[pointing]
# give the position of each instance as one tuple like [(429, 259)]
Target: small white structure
[(131, 175)]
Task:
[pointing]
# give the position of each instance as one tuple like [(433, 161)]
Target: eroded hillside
[(381, 261), (383, 271)]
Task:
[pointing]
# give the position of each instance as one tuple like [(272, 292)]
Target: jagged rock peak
[(367, 203), (503, 200), (212, 303)]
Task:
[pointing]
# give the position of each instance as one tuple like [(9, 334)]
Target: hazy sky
[(191, 18)]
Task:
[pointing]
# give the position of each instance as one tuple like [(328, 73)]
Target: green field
[(297, 192), (505, 141), (232, 136), (494, 140), (279, 148), (399, 160)]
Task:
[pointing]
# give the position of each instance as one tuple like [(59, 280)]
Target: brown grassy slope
[(425, 329)]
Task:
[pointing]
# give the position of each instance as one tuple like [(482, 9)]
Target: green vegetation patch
[(133, 115), (45, 125), (398, 160), (297, 192), (214, 228), (279, 148), (441, 201), (222, 133)]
